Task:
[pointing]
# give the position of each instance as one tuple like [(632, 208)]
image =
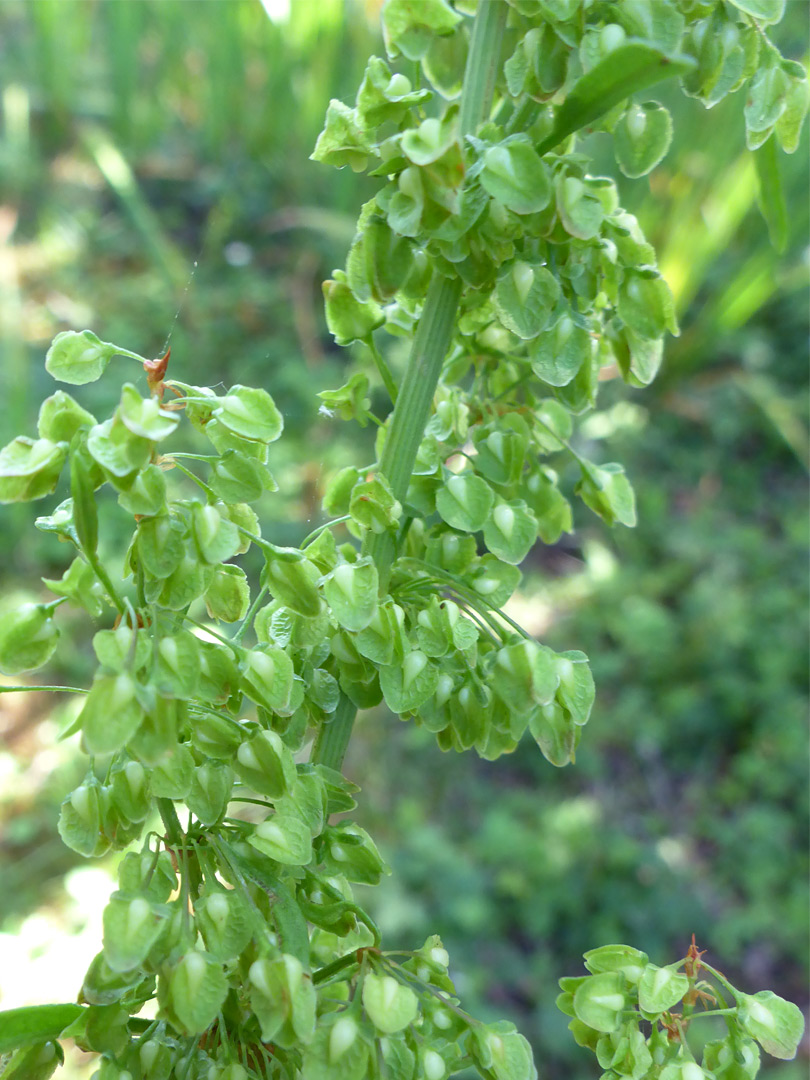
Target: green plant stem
[(383, 369), (104, 578), (431, 344), (333, 737), (168, 814), (31, 689), (481, 71), (326, 525), (248, 619)]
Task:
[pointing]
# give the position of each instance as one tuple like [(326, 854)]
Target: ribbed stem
[(482, 64), (333, 738), (430, 347)]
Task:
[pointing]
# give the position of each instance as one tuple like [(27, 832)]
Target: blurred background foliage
[(155, 185)]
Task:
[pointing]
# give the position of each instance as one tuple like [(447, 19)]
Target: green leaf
[(159, 544), (373, 505), (118, 652), (494, 581), (771, 192), (338, 490), (383, 96), (225, 921), (286, 914), (338, 1050), (82, 491), (434, 141), (37, 1062), (172, 775), (157, 734), (607, 491), (765, 11), (283, 999), (80, 585), (216, 537), (284, 838), (660, 989), (292, 579), (525, 297), (642, 138), (80, 820), (236, 478), (408, 685), (351, 403), (28, 638), (147, 496), (407, 203), (177, 667), (789, 125), (444, 63), (34, 1024), (765, 101), (30, 469), (580, 208), (600, 1000), (389, 1005), (78, 357), (130, 791), (500, 1052), (228, 595), (514, 174), (558, 354), (266, 764), (348, 318), (196, 990), (776, 1024), (410, 26), (132, 925), (553, 729), (210, 792), (501, 451), (111, 715), (383, 638), (626, 70), (117, 449), (354, 854), (624, 958), (465, 502), (324, 690), (576, 690), (343, 140), (267, 677), (525, 675), (60, 417), (249, 413), (185, 583), (144, 416), (511, 531), (351, 592)]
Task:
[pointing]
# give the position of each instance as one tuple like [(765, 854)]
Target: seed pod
[(266, 764), (28, 638)]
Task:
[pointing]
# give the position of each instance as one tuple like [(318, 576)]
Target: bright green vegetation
[(225, 695)]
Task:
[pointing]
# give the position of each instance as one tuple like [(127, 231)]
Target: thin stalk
[(31, 689), (104, 578), (383, 369), (200, 483), (248, 619), (326, 525), (430, 346)]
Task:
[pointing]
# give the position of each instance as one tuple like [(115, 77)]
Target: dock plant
[(216, 724)]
